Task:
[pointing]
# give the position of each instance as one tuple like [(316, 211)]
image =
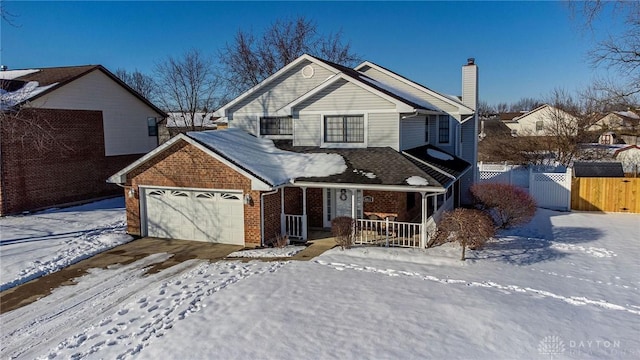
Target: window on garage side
[(276, 125), (344, 129), (152, 126)]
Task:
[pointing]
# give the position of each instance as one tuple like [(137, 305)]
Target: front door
[(337, 202)]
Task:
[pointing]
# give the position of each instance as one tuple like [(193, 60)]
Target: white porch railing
[(388, 233), (295, 226)]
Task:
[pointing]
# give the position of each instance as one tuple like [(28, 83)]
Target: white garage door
[(202, 215)]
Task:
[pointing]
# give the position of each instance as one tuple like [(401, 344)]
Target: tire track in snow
[(28, 328), (505, 289), (156, 310)]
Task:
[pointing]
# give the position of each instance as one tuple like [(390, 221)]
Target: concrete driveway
[(182, 250), (124, 254)]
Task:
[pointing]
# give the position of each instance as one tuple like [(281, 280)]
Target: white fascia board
[(120, 177), (462, 108), (223, 110), (376, 187)]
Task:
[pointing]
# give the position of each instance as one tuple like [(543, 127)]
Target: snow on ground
[(38, 244), (567, 286), (287, 251)]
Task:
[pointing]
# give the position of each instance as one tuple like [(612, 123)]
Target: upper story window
[(344, 129), (152, 126), (443, 129), (428, 120), (539, 125), (273, 125)]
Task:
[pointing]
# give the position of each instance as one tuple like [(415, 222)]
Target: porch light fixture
[(132, 192), (247, 199)]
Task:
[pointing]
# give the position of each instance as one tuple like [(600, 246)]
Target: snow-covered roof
[(8, 99), (201, 119), (629, 114), (12, 74), (262, 158)]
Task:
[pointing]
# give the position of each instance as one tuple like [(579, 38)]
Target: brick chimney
[(470, 84)]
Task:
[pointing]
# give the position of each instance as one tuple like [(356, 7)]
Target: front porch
[(383, 218)]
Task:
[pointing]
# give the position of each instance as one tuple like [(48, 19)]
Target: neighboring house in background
[(314, 141), (64, 130), (178, 122), (629, 156), (541, 121), (618, 121)]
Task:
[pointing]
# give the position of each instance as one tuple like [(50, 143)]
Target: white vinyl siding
[(468, 149), (384, 130), (306, 130), (412, 132), (283, 90), (344, 95), (377, 75), (124, 116)]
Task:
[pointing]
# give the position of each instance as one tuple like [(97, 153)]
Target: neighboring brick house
[(314, 141), (64, 130)]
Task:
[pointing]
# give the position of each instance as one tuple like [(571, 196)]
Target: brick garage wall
[(184, 165), (61, 160)]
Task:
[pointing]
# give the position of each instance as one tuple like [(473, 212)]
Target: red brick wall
[(314, 208), (184, 165), (52, 157), (387, 203), (272, 211)]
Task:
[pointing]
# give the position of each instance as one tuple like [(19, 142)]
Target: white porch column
[(354, 209), (423, 232), (304, 213), (283, 220)]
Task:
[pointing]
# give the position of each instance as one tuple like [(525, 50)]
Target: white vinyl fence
[(549, 186)]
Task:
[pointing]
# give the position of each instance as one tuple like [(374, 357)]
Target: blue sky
[(523, 49)]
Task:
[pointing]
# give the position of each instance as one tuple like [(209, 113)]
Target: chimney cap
[(471, 61)]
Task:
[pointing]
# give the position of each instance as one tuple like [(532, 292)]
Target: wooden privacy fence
[(606, 194)]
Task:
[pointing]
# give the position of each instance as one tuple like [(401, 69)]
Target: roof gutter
[(375, 187)]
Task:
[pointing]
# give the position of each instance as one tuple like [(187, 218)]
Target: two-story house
[(314, 141)]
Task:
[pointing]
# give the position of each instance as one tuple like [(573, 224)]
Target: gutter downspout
[(262, 213)]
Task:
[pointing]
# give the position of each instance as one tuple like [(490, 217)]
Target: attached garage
[(193, 214)]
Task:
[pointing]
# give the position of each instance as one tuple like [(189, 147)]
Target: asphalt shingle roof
[(389, 166), (455, 167), (597, 169)]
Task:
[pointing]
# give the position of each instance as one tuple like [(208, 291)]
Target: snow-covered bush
[(342, 230), (509, 205), (471, 228)]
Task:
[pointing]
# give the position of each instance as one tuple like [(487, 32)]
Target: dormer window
[(276, 125), (344, 129)]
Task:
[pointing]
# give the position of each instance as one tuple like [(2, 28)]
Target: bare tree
[(525, 104), (144, 84), (470, 227), (189, 85), (252, 58), (620, 51)]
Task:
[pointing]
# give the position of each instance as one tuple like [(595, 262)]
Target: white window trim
[(438, 130), (345, 145), (275, 137)]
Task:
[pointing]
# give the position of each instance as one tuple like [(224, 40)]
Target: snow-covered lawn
[(565, 286), (41, 243)]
